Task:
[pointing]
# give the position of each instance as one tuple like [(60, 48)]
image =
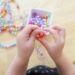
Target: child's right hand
[(55, 47)]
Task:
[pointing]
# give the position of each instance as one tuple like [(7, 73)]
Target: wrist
[(23, 56), (65, 65), (21, 61), (59, 58), (18, 67)]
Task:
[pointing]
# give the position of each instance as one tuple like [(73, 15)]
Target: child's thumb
[(35, 33)]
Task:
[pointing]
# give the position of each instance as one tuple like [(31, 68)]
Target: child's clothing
[(42, 70)]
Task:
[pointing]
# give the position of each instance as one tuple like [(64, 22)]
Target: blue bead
[(2, 21), (42, 22), (34, 14)]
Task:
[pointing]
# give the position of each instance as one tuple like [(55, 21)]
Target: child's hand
[(55, 47), (26, 41)]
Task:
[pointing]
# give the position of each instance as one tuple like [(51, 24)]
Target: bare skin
[(25, 44)]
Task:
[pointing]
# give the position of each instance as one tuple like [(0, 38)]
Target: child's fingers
[(44, 42), (62, 35), (35, 33), (29, 29), (57, 27), (54, 33), (25, 34), (61, 31)]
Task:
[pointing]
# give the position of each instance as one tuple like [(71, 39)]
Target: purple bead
[(34, 14)]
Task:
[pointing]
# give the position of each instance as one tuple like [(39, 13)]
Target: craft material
[(40, 17), (40, 51), (7, 22)]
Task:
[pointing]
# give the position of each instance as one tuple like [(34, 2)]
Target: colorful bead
[(13, 0), (39, 18), (1, 21), (6, 20), (9, 19), (40, 51), (41, 35), (7, 46)]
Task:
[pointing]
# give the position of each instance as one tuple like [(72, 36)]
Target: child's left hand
[(25, 44), (26, 41)]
